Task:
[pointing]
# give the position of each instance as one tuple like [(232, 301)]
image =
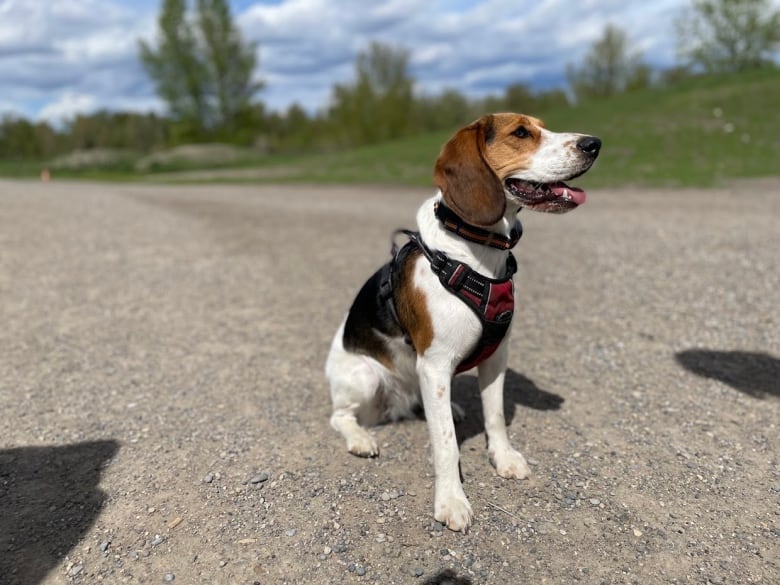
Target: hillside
[(697, 133)]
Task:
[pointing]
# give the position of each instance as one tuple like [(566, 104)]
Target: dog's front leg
[(450, 504), (492, 372)]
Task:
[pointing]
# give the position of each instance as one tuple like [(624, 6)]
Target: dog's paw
[(363, 444), (458, 413), (510, 464), (454, 512)]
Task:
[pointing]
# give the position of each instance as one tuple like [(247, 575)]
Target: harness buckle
[(438, 261)]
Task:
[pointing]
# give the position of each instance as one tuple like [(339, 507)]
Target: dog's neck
[(479, 235), (486, 260)]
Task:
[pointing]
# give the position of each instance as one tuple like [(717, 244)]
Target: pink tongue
[(575, 194)]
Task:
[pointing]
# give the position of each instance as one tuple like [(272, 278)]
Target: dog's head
[(512, 156)]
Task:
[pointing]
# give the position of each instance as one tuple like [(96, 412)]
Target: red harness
[(495, 313), (491, 300)]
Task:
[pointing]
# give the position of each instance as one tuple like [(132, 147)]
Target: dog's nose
[(590, 145)]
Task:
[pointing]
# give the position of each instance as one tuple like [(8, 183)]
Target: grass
[(700, 132)]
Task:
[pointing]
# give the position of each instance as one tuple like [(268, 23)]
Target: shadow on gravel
[(448, 577), (49, 497), (518, 390), (755, 374)]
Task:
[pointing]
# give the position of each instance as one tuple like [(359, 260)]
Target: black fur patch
[(369, 316)]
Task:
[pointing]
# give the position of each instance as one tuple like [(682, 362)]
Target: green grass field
[(700, 132)]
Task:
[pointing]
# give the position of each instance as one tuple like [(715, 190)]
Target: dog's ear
[(469, 185)]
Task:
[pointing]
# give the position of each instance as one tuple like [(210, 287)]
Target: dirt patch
[(167, 414)]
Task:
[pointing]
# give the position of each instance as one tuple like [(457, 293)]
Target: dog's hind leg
[(359, 441), (355, 387)]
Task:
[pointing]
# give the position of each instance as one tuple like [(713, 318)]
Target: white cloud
[(70, 56), (475, 47), (67, 106), (66, 55)]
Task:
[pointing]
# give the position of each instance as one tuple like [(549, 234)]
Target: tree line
[(204, 71)]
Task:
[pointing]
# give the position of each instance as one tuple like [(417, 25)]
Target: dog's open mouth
[(553, 197)]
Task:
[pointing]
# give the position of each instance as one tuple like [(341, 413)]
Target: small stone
[(208, 478), (595, 501), (169, 577), (637, 532), (545, 528), (418, 572), (133, 554), (222, 564), (158, 540), (75, 570), (104, 546), (385, 497), (360, 571), (351, 567), (291, 532), (326, 550), (260, 477), (151, 510)]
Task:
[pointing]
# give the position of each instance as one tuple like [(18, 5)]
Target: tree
[(202, 68), (18, 138), (230, 63), (176, 69), (609, 68), (726, 36), (378, 105), (449, 109)]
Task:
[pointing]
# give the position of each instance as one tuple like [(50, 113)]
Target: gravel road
[(165, 412)]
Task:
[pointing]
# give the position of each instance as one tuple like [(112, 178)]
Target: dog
[(444, 302)]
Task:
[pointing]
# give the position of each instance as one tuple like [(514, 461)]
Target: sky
[(59, 58)]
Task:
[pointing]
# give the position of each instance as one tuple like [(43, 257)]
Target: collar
[(453, 222)]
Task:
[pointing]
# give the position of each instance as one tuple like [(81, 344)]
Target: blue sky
[(62, 57)]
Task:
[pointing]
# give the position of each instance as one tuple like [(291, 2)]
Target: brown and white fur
[(486, 173)]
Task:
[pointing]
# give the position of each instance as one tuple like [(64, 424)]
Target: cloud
[(67, 56), (67, 105), (473, 46), (71, 56)]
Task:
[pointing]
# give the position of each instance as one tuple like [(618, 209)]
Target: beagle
[(431, 312)]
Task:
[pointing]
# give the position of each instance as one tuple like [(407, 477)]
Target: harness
[(491, 300)]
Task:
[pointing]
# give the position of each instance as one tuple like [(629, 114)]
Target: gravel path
[(165, 411)]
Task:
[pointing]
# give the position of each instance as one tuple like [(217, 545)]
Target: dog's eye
[(522, 132)]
